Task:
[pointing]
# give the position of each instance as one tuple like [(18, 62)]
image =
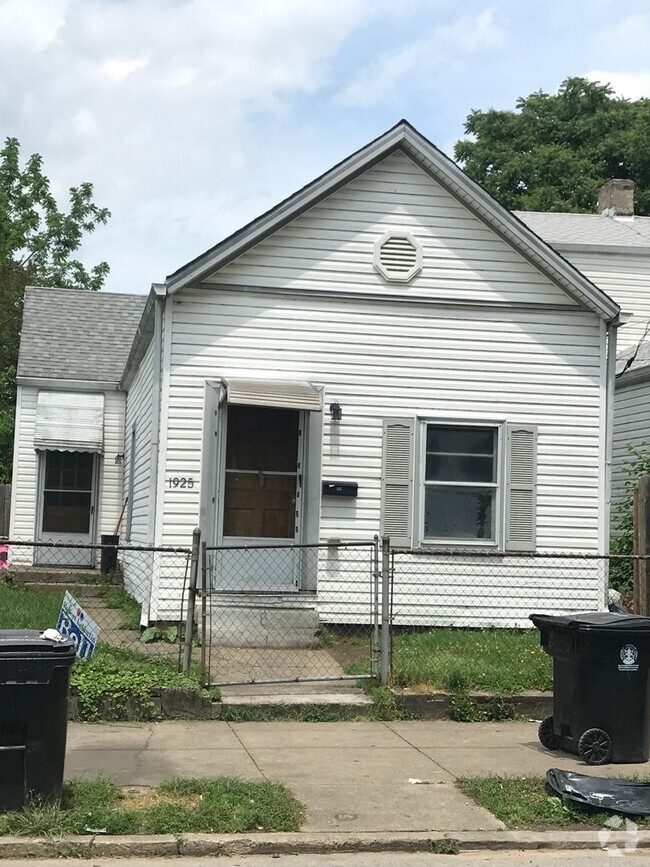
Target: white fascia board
[(446, 172), (511, 228), (88, 385), (287, 210), (143, 335)]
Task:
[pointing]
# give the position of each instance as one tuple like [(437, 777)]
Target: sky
[(191, 117)]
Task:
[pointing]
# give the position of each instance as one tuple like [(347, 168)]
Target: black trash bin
[(601, 685), (34, 679), (108, 557)]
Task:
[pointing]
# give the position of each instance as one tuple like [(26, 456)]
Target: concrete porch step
[(284, 696), (252, 620), (80, 591), (57, 575)]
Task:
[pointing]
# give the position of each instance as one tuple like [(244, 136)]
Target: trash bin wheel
[(595, 747), (547, 736)]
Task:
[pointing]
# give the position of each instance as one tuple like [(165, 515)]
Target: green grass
[(119, 598), (222, 805), (501, 661), (115, 684), (526, 802), (24, 609)]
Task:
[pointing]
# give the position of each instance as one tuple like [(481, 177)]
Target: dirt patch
[(146, 797), (343, 653)]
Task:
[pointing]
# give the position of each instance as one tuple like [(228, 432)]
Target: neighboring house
[(69, 440), (392, 327), (613, 250)]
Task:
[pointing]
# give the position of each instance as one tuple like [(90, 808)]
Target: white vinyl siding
[(138, 414), (332, 246), (25, 477), (631, 426), (625, 277), (380, 361), (137, 566)]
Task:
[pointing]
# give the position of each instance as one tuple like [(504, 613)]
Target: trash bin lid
[(29, 641), (603, 621)]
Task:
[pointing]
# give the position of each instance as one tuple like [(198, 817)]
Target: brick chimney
[(616, 198)]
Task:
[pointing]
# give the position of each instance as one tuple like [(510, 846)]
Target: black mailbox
[(340, 489)]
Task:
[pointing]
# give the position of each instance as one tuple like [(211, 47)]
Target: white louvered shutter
[(397, 481), (521, 487)]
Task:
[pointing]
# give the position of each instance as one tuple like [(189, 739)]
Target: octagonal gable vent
[(398, 256)]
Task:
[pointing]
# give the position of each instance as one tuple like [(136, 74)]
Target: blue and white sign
[(75, 623)]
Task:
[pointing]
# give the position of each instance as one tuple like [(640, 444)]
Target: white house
[(386, 351)]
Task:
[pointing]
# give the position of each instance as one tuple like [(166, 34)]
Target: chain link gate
[(290, 613)]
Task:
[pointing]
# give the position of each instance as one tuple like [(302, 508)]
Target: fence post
[(641, 544), (194, 574), (385, 610), (205, 679), (375, 608)]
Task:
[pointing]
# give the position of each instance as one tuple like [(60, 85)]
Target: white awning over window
[(69, 421), (273, 392)]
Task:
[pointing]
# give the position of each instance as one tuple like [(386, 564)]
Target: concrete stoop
[(290, 697), (263, 620)]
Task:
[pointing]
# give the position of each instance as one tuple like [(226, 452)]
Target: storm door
[(67, 507), (261, 501)]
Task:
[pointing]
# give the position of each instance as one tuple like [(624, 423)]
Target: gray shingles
[(71, 334), (588, 229)]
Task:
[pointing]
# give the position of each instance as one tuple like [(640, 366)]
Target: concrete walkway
[(352, 777)]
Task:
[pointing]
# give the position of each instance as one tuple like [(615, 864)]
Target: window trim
[(498, 543)]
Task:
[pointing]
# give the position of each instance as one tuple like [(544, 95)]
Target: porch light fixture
[(119, 458), (336, 412)]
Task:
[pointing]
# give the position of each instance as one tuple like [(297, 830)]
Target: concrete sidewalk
[(352, 777)]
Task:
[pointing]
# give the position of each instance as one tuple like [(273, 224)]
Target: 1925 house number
[(181, 482)]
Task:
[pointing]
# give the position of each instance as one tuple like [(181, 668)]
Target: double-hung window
[(460, 484), (467, 484)]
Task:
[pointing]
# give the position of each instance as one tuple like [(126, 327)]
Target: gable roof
[(439, 166), (78, 335), (589, 230)]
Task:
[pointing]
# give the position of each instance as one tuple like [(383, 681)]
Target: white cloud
[(420, 58), (630, 85), (119, 69), (31, 24), (157, 102)]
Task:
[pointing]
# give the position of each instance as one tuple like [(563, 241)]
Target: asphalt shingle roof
[(72, 334), (559, 228)]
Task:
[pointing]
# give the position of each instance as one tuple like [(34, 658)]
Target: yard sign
[(76, 624)]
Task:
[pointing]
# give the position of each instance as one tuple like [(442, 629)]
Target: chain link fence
[(137, 595), (444, 604), (290, 613), (262, 614)]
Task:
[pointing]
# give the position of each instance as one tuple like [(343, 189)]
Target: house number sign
[(180, 482)]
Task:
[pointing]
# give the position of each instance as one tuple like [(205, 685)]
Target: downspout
[(154, 447), (610, 386)]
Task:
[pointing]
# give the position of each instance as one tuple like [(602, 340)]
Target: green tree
[(38, 242), (554, 151)]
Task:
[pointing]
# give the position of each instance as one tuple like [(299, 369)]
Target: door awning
[(69, 421), (275, 393)]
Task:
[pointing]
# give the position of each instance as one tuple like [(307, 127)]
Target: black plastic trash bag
[(600, 793)]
